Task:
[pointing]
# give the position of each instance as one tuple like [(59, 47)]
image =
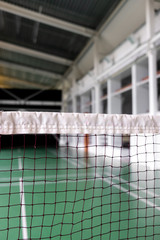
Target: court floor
[(50, 192)]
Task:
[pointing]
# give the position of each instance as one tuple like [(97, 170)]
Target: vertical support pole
[(63, 98), (109, 102), (80, 104), (73, 91), (93, 100), (134, 89), (149, 18), (109, 96), (74, 103), (151, 57), (96, 72), (65, 93), (152, 81), (97, 98)]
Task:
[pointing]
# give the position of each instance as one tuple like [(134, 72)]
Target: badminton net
[(79, 176)]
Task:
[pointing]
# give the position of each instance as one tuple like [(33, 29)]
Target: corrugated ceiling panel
[(88, 13), (49, 40), (33, 62)]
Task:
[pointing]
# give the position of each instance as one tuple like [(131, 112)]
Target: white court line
[(19, 163), (22, 201), (45, 181), (129, 184), (75, 164), (72, 162), (39, 177), (42, 177), (130, 193), (134, 186), (23, 211), (116, 186)]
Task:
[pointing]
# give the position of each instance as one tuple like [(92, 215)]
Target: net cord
[(76, 123)]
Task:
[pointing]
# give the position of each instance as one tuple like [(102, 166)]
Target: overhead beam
[(31, 70), (34, 53), (13, 82), (30, 103), (51, 21)]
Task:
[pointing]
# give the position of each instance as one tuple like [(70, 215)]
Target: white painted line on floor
[(135, 186), (118, 186), (19, 163), (23, 211), (41, 177), (41, 180), (74, 163), (138, 198)]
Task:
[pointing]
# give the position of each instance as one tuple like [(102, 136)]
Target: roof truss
[(10, 82), (31, 70), (51, 21), (34, 53)]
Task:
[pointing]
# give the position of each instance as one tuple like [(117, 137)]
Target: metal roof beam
[(34, 53), (31, 70), (51, 21), (30, 103), (13, 82)]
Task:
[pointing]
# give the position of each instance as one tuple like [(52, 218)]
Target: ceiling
[(41, 39)]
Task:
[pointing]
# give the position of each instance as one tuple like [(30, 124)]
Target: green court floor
[(65, 200)]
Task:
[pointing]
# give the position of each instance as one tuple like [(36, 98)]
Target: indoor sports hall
[(80, 119)]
